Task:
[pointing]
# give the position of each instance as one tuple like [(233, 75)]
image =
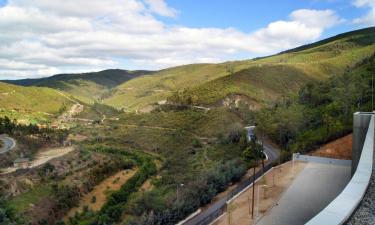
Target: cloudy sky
[(43, 37)]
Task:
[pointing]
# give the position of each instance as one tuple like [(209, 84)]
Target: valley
[(152, 147)]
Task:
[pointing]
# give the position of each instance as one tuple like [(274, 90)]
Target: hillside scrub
[(112, 210), (320, 112)]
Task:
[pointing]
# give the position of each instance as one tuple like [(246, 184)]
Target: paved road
[(8, 144), (313, 189), (272, 155)]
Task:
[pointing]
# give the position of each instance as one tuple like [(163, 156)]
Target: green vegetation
[(21, 202), (87, 87), (146, 90), (98, 111), (30, 104), (7, 213), (199, 149), (267, 79), (321, 111)]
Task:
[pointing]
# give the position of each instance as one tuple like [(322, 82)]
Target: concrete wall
[(340, 209), (360, 126)]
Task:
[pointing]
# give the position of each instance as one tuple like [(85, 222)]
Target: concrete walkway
[(314, 188)]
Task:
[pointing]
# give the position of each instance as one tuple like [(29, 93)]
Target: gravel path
[(365, 214)]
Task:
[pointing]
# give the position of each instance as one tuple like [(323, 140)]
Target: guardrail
[(343, 206)]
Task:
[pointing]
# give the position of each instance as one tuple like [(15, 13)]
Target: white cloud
[(43, 37), (161, 8), (369, 18)]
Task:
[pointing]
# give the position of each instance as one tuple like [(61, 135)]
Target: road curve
[(8, 144), (202, 218)]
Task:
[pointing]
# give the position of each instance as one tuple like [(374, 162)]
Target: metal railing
[(220, 207)]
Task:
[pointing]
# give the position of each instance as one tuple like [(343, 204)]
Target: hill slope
[(269, 78), (31, 104), (260, 80), (87, 87), (145, 90)]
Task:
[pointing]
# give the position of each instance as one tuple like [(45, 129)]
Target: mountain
[(87, 87)]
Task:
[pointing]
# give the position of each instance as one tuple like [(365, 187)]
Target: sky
[(40, 38)]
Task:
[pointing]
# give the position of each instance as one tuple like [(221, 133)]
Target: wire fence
[(218, 208)]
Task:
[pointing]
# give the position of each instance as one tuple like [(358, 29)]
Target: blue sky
[(248, 15), (40, 38)]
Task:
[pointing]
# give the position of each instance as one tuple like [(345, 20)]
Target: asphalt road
[(8, 144), (272, 155)]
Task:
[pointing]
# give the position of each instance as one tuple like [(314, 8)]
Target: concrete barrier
[(324, 160), (340, 209)]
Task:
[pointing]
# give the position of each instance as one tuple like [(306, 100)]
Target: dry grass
[(102, 190)]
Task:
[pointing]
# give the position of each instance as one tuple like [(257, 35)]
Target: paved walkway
[(315, 187)]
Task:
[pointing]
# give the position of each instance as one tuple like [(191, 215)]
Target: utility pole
[(252, 207)]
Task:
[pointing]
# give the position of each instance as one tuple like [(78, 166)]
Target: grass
[(22, 202), (32, 104), (145, 90), (87, 87)]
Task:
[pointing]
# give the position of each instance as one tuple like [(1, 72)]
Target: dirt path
[(46, 155), (73, 111), (101, 191), (271, 188), (42, 157)]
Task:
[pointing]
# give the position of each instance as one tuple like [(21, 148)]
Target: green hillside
[(87, 87), (272, 77), (145, 90), (31, 104), (260, 80)]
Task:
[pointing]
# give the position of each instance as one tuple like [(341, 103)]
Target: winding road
[(8, 144)]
